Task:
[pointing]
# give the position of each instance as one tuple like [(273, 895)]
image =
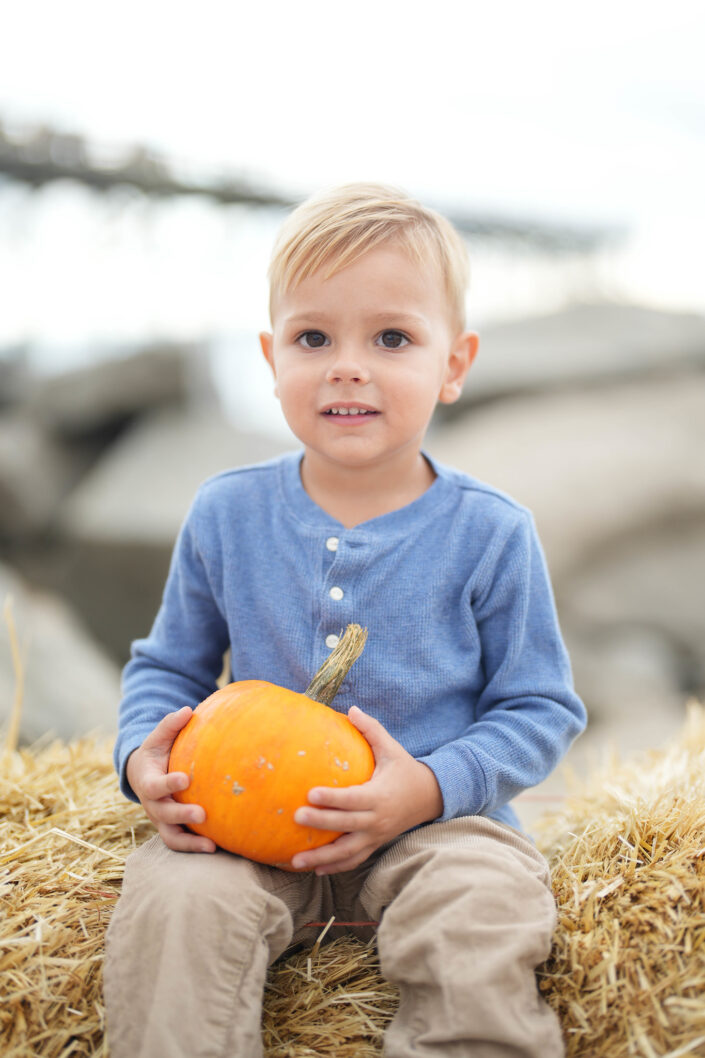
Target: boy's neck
[(353, 495)]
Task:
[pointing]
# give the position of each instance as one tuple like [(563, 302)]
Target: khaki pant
[(466, 915)]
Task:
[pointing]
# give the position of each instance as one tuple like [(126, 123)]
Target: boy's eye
[(312, 339), (393, 339)]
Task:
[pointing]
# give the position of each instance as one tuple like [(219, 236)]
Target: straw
[(13, 729), (64, 835), (627, 851), (626, 974), (58, 887), (330, 1001)]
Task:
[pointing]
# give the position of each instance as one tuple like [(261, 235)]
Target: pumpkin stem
[(326, 683)]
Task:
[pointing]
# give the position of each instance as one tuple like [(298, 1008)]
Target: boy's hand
[(402, 793), (148, 777)]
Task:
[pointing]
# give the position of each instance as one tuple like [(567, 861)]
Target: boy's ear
[(460, 359), (266, 340)]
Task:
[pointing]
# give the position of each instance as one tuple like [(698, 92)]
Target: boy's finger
[(171, 812), (345, 848), (380, 740), (181, 841), (175, 781), (330, 819), (159, 784), (347, 798), (168, 728)]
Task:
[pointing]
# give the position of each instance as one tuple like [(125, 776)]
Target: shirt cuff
[(461, 779)]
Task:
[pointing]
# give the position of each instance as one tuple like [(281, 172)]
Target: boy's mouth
[(349, 409)]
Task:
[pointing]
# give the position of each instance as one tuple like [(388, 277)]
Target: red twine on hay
[(319, 925)]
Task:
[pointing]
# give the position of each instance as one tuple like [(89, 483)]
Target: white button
[(336, 593), (332, 543), (332, 641)]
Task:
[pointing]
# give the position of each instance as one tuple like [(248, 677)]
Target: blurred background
[(148, 154)]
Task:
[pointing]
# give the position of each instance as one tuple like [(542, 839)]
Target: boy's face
[(360, 359)]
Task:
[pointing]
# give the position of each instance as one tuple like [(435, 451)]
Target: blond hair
[(335, 227)]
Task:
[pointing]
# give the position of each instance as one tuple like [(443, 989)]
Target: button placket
[(335, 621)]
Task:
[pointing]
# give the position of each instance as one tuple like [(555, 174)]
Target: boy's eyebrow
[(399, 317), (302, 317)]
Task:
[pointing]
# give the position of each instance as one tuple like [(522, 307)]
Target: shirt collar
[(300, 505)]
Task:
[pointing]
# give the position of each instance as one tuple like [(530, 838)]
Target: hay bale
[(328, 1001), (65, 833), (627, 852), (626, 974)]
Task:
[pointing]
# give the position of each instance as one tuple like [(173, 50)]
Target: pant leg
[(188, 947), (467, 914)]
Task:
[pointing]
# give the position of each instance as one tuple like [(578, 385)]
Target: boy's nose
[(346, 366)]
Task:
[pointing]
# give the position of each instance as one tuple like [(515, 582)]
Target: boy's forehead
[(390, 280)]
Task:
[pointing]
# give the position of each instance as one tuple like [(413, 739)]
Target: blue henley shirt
[(464, 663)]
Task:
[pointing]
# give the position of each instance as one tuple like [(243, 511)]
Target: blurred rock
[(71, 686), (583, 344), (649, 590), (142, 488), (634, 623), (109, 394), (593, 465), (120, 524), (36, 473), (14, 375), (630, 679), (616, 480), (626, 673)]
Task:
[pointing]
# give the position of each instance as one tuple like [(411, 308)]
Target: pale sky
[(581, 111), (557, 111)]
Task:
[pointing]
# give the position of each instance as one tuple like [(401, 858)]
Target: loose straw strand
[(13, 731)]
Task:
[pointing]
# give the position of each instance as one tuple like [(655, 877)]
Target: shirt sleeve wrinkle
[(172, 667), (528, 713), (209, 571)]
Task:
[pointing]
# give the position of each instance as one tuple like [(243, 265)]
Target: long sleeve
[(528, 713), (180, 660)]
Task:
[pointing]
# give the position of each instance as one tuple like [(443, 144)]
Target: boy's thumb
[(168, 728), (371, 729)]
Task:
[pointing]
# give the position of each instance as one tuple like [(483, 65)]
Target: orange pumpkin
[(253, 751)]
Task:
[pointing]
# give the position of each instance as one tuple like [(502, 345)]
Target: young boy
[(463, 691)]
